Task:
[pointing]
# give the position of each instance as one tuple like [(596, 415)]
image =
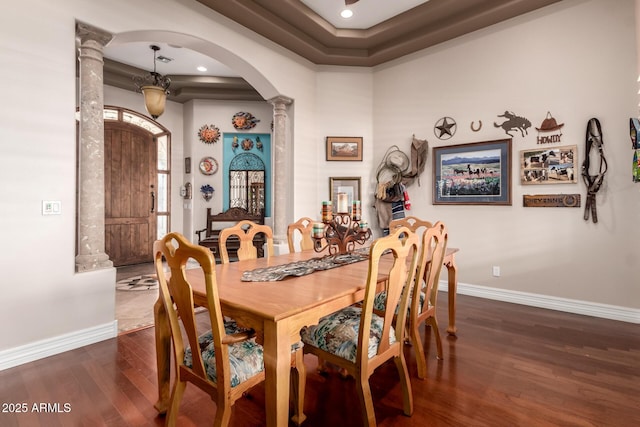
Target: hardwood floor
[(510, 365)]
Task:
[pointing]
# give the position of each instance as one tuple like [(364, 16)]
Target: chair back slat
[(412, 223), (304, 226), (245, 231), (432, 252)]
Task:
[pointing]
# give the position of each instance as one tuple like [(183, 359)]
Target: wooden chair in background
[(423, 303), (422, 307), (304, 226), (228, 361), (245, 231), (413, 223), (360, 339)]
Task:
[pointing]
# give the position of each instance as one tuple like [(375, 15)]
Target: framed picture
[(344, 148), (478, 173), (187, 165), (349, 185), (553, 165)]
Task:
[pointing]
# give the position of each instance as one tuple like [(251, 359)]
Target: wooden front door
[(130, 193)]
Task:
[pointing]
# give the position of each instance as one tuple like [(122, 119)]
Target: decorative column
[(91, 240), (280, 168)]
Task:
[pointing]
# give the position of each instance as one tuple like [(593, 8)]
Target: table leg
[(452, 272), (163, 355), (277, 365)]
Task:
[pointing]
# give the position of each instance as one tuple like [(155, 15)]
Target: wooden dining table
[(276, 311)]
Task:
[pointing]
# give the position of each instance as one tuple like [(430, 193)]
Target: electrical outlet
[(496, 271)]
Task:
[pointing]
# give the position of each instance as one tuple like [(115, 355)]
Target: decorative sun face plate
[(208, 166), (243, 120), (209, 134)]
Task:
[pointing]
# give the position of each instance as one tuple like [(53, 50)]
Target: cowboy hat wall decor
[(549, 131)]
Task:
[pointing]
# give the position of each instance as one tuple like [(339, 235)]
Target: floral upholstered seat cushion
[(338, 333), (246, 357)]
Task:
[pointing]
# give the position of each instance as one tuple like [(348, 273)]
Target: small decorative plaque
[(551, 201)]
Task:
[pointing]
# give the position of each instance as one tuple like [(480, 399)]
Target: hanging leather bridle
[(593, 182)]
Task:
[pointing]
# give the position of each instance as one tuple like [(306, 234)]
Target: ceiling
[(378, 32)]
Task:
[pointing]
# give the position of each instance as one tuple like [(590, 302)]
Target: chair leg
[(174, 405), (366, 402), (436, 332), (298, 384), (419, 348), (223, 412), (405, 382)]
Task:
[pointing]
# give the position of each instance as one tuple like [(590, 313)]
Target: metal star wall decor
[(445, 128)]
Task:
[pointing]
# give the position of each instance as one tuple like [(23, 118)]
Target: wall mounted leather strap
[(593, 182)]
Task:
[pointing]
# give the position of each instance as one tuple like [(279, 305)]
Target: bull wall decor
[(513, 122)]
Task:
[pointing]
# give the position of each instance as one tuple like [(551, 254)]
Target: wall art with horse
[(477, 173)]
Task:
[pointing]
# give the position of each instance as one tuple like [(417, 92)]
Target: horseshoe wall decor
[(479, 126)]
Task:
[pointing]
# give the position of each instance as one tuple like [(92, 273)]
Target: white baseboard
[(605, 311), (56, 345)]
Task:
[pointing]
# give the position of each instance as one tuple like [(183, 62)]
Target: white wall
[(576, 59), (343, 106)]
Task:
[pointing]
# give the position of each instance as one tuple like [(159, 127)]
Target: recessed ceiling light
[(346, 13), (202, 68)]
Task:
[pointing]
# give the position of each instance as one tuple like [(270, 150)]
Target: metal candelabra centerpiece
[(340, 234)]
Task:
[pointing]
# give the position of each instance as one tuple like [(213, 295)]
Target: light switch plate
[(51, 207)]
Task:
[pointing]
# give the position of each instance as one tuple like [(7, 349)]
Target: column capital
[(87, 32), (280, 101)]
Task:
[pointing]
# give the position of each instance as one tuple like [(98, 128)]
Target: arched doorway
[(281, 130), (137, 165)]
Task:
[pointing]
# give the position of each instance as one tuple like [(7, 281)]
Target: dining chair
[(413, 223), (360, 338), (245, 231), (422, 305), (304, 226), (228, 361)]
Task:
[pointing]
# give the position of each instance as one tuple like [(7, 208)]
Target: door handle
[(153, 201)]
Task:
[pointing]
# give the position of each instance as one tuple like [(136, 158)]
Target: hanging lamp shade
[(154, 87), (155, 98)]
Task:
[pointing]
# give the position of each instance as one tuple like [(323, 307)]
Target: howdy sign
[(551, 201)]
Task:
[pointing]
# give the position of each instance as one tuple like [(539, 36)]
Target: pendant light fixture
[(154, 87)]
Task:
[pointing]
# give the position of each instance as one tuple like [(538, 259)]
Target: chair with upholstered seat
[(360, 339), (304, 226), (227, 361), (422, 308), (423, 302), (245, 231)]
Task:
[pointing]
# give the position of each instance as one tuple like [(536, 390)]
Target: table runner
[(302, 268)]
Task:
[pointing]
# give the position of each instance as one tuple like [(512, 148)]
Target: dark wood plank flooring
[(510, 365)]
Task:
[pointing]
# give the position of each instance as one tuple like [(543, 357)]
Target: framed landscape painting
[(344, 148), (477, 173)]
